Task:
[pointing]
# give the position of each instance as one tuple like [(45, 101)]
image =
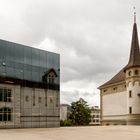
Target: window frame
[(130, 110), (5, 95), (129, 73), (130, 93), (136, 72), (5, 114)]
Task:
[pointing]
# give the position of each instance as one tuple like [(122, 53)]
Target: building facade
[(64, 111), (95, 116), (120, 96), (29, 87)]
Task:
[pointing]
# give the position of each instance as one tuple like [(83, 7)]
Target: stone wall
[(41, 109), (14, 105), (32, 107)]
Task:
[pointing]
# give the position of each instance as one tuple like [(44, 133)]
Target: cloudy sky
[(93, 38)]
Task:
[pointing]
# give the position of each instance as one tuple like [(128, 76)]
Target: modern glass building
[(29, 86)]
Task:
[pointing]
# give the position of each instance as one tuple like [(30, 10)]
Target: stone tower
[(120, 96), (132, 74)]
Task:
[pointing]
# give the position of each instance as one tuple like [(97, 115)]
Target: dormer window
[(49, 76), (136, 72), (51, 79)]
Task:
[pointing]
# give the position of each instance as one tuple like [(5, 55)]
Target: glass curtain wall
[(25, 66)]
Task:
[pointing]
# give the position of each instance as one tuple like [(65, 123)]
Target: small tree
[(66, 123), (80, 113)]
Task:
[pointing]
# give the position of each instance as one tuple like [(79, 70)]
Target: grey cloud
[(93, 37), (68, 97)]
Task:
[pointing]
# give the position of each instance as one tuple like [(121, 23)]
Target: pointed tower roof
[(134, 59)]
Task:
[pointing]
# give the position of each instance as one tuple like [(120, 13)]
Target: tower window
[(129, 73), (130, 110), (136, 72), (115, 88), (130, 94), (105, 90)]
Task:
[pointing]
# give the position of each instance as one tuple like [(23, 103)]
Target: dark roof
[(51, 70), (119, 77), (134, 59)]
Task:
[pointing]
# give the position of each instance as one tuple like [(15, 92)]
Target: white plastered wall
[(114, 104), (134, 101)]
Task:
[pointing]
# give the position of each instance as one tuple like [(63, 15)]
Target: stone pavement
[(73, 133)]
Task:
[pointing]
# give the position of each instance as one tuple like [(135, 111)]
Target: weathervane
[(134, 14)]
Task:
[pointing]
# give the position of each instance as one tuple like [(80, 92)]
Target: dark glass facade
[(29, 87), (26, 66)]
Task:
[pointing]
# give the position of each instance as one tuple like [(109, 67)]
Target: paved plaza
[(73, 133)]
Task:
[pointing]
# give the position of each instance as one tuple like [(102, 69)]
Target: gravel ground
[(73, 133)]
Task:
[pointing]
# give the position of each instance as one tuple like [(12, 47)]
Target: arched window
[(130, 93), (115, 88), (5, 114), (136, 72), (129, 73)]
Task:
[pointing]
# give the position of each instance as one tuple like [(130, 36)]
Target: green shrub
[(66, 123)]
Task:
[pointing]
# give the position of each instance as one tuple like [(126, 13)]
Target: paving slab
[(73, 133)]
